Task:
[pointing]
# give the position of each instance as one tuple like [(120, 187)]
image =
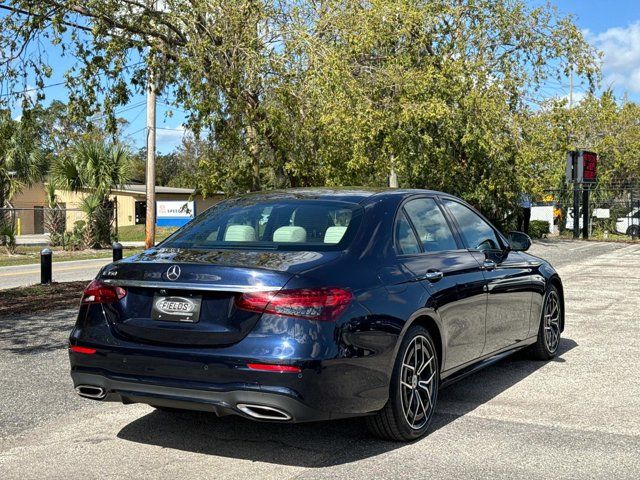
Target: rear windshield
[(283, 224)]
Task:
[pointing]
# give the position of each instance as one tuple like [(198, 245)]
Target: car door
[(435, 255), (508, 275)]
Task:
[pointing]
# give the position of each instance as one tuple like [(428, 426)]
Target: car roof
[(345, 194)]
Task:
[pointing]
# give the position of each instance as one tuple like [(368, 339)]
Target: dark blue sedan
[(316, 304)]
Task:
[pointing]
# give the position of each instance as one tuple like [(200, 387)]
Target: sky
[(612, 26)]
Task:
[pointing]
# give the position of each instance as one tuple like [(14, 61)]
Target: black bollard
[(117, 251), (45, 266)]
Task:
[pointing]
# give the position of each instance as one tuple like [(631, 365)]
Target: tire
[(633, 231), (412, 398), (548, 342)]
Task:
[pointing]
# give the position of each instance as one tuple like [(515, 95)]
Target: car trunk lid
[(187, 297)]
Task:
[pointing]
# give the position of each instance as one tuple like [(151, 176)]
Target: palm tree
[(94, 167), (54, 218), (23, 162)]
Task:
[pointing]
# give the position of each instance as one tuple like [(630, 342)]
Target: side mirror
[(519, 242)]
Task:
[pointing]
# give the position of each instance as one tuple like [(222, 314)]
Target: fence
[(41, 220), (611, 210)]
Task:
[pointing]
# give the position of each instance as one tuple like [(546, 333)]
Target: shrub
[(8, 238), (74, 240), (538, 228)]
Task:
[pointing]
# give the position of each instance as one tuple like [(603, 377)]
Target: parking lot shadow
[(321, 444), (41, 332), (469, 393)]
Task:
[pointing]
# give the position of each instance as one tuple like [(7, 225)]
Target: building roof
[(140, 188)]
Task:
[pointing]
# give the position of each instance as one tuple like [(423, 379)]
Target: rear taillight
[(323, 304), (85, 350), (100, 292)]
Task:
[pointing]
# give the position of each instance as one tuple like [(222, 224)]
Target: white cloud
[(621, 61), (578, 96), (170, 135)]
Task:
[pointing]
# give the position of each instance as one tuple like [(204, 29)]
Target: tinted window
[(430, 224), (407, 241), (477, 233), (284, 224)]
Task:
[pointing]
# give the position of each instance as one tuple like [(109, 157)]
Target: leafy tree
[(95, 168), (436, 91), (296, 93), (598, 123), (174, 169)]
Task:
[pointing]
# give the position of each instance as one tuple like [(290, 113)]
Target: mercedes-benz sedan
[(315, 304)]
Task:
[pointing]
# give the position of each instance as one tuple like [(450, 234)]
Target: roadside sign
[(174, 213), (582, 167)]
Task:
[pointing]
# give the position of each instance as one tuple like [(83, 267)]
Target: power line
[(35, 89), (173, 107), (136, 117), (122, 110), (178, 129), (137, 131)]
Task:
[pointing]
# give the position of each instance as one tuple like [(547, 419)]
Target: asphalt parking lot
[(577, 416)]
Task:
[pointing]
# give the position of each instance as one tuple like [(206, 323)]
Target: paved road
[(574, 417), (19, 275)]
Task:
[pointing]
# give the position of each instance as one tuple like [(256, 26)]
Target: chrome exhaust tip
[(91, 391), (262, 412)]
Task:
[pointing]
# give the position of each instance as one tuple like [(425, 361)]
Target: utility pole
[(576, 197), (393, 176), (393, 179), (570, 88), (150, 177), (574, 156)]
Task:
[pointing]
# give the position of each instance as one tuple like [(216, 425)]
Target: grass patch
[(135, 233), (601, 237), (40, 297), (28, 255)]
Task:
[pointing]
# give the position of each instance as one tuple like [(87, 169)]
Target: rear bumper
[(212, 399), (344, 371)]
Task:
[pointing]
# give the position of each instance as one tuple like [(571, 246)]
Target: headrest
[(334, 234), (290, 234), (240, 233)]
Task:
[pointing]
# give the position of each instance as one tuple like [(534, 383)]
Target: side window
[(431, 226), (407, 242), (477, 232)]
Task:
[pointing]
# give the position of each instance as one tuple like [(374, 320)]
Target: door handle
[(433, 276), (489, 265)]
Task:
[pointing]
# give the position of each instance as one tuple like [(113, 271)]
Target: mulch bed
[(40, 297)]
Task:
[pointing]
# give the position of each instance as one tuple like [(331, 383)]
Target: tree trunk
[(254, 153)]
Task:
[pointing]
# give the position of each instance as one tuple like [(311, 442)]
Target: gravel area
[(573, 417)]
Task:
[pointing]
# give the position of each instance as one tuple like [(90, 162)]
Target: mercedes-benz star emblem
[(173, 273)]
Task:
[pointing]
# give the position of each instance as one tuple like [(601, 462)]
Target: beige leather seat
[(290, 235), (334, 234), (240, 233)]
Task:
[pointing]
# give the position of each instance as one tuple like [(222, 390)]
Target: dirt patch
[(40, 297)]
